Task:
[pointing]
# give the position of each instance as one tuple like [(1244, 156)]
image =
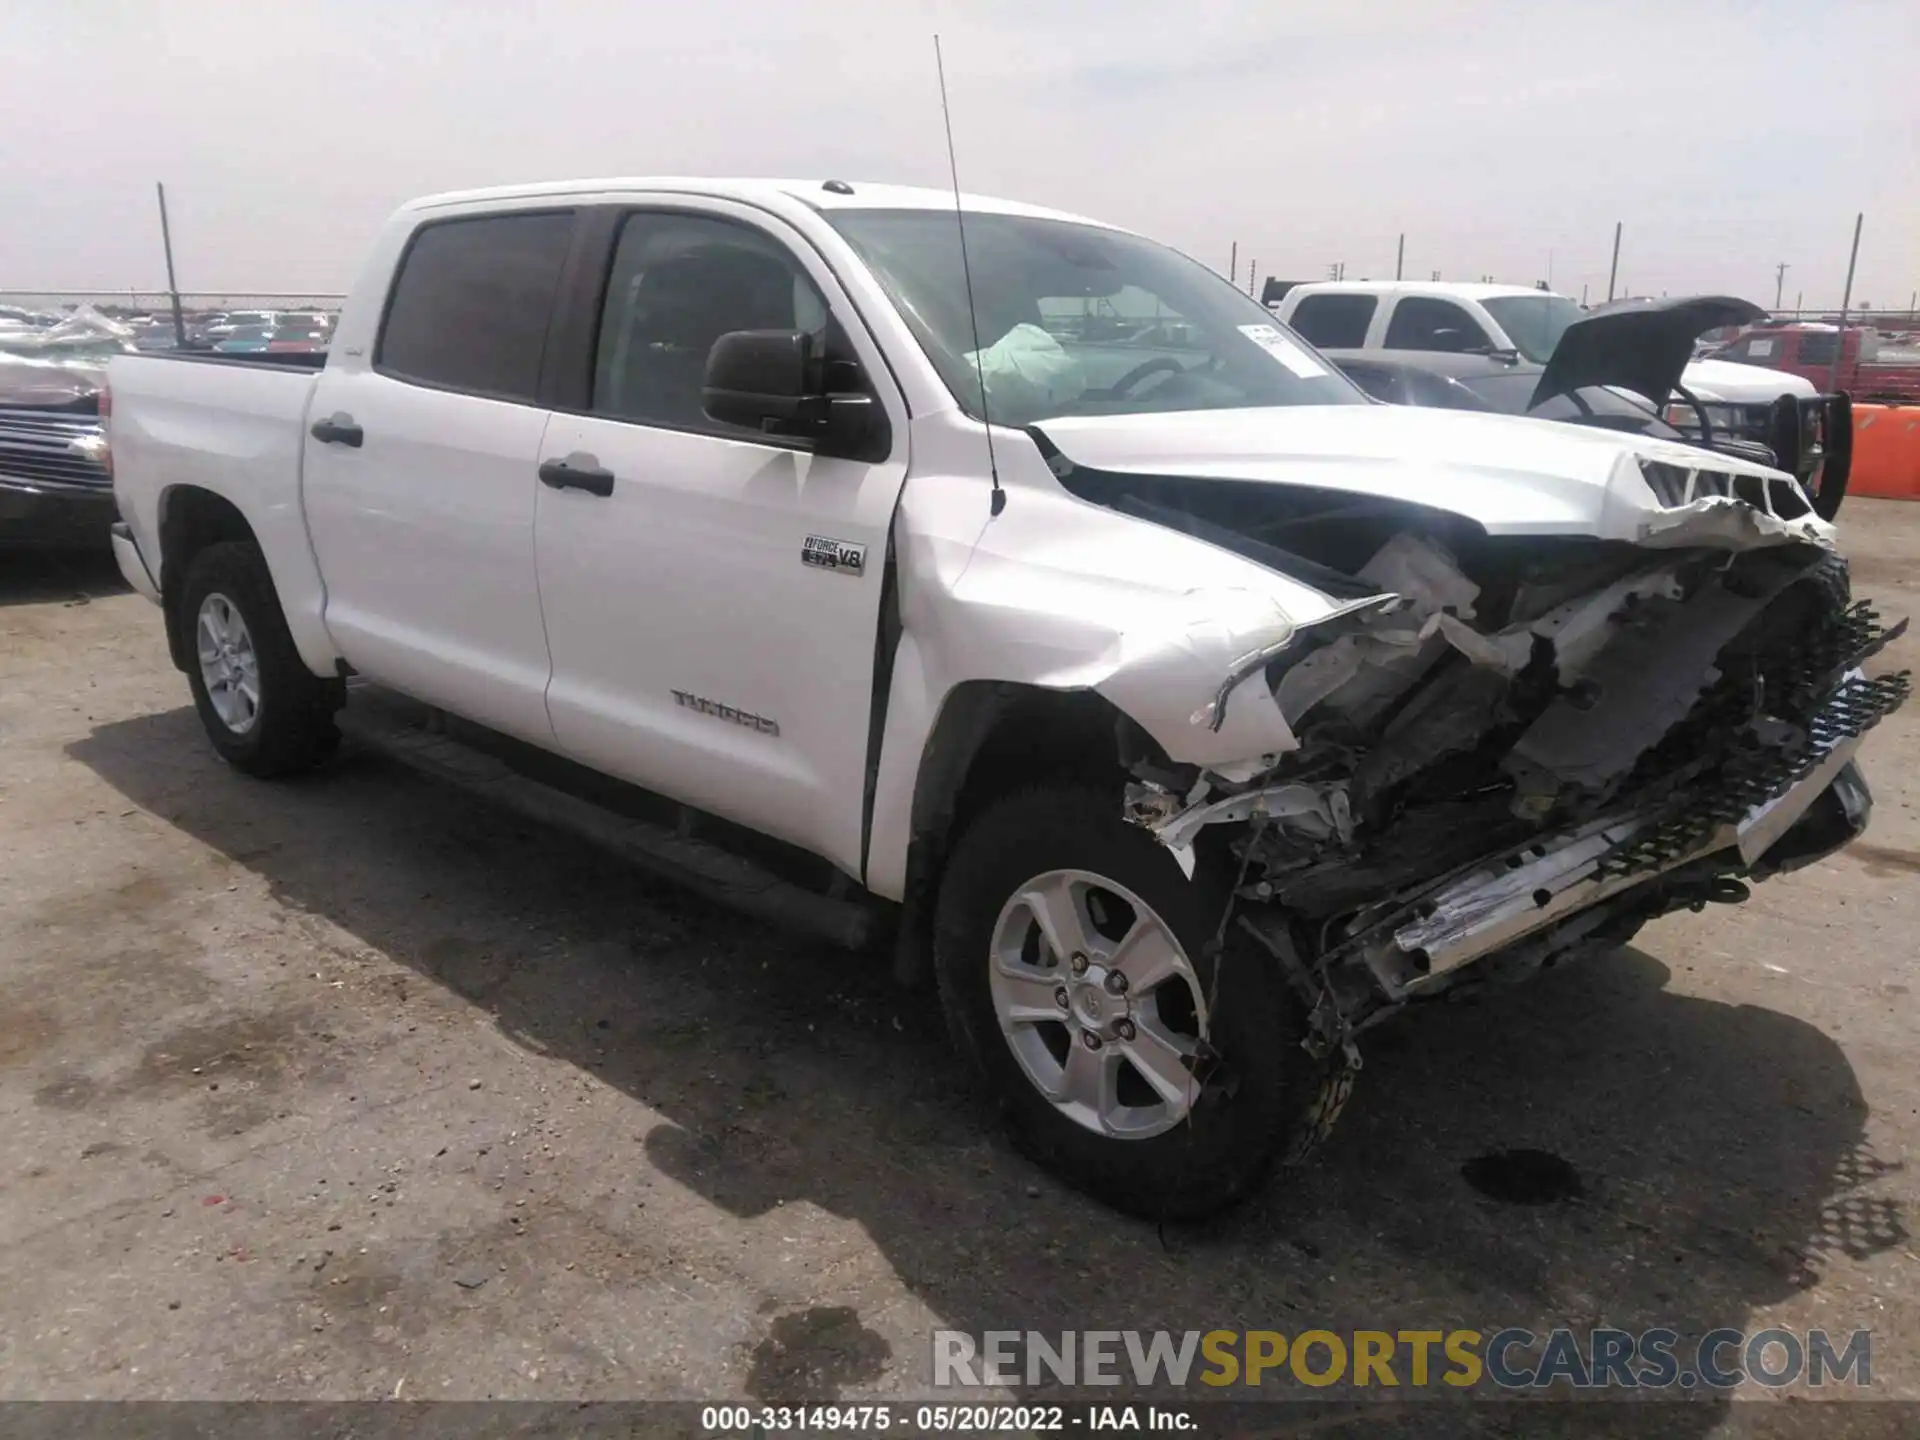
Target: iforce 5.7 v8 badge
[(823, 552)]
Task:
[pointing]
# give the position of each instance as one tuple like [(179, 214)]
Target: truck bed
[(235, 425)]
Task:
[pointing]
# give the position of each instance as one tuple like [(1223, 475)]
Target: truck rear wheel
[(264, 711), (1075, 967)]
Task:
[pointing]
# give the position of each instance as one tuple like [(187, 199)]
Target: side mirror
[(771, 381), (760, 379)]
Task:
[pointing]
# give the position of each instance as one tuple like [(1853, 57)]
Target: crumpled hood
[(1509, 474), (1637, 345)]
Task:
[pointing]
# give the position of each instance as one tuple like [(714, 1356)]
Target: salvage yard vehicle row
[(1210, 714), (1627, 344)]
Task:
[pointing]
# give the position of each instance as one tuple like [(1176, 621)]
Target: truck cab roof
[(819, 194)]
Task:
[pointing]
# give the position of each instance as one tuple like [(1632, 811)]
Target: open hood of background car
[(1637, 345)]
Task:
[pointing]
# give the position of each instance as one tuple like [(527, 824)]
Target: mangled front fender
[(1055, 593), (1061, 594), (1196, 682)]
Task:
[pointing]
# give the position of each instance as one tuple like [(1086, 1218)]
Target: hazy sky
[(1728, 134)]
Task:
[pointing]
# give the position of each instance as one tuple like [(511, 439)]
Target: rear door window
[(471, 303), (1422, 323), (1334, 322)]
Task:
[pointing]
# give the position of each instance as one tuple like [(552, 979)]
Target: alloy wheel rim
[(229, 666), (1099, 1004)]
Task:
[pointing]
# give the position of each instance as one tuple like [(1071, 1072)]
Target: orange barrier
[(1886, 452)]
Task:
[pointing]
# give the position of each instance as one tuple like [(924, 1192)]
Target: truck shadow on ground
[(1718, 1149), (40, 577)]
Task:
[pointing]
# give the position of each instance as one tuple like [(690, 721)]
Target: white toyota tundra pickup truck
[(1011, 588)]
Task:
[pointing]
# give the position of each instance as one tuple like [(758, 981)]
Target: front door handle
[(588, 475), (338, 429)]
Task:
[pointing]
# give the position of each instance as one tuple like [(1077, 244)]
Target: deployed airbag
[(1027, 372)]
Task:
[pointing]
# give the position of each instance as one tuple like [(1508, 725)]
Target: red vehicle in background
[(1872, 373)]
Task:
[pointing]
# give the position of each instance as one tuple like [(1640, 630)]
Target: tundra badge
[(825, 553), (703, 706)]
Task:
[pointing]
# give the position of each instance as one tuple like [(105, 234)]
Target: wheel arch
[(192, 517), (989, 738)]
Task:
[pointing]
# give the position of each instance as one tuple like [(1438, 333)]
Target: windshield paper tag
[(1284, 349)]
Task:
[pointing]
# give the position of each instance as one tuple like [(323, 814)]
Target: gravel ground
[(351, 1088)]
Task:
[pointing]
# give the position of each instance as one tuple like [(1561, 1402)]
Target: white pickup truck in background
[(1175, 708), (1458, 316)]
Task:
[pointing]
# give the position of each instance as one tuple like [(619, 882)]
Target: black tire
[(1265, 1098), (293, 728)]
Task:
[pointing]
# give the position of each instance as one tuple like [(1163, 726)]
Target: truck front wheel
[(264, 711), (1077, 971)]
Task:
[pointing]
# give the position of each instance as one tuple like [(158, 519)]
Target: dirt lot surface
[(351, 1088)]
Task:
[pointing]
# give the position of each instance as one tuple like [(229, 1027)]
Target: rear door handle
[(589, 476), (338, 429)]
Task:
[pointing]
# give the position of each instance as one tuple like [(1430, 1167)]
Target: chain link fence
[(1890, 321), (231, 319), (130, 303)]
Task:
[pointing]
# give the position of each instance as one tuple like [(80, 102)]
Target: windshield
[(1534, 323), (1077, 320)]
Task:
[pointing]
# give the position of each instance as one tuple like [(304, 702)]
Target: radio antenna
[(999, 502)]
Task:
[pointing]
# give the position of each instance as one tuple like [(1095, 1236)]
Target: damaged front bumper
[(1756, 826), (1526, 892)]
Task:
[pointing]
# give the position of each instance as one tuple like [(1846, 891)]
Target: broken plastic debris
[(1322, 810), (1507, 652), (1421, 569)]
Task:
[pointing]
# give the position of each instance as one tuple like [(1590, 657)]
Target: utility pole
[(173, 286), (1233, 265), (1400, 256), (1779, 281), (1846, 299), (1613, 273), (1253, 269)]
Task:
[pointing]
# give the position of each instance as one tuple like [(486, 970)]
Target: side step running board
[(716, 873)]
